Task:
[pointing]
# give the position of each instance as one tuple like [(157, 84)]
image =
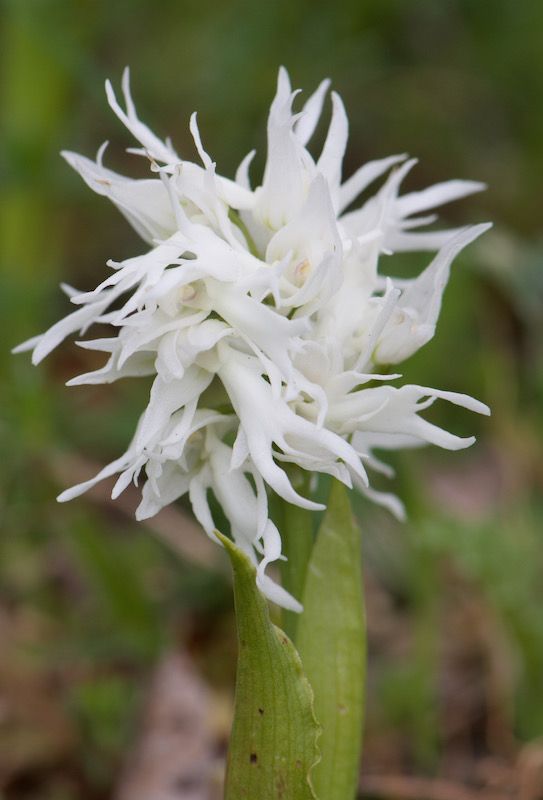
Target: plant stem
[(297, 537)]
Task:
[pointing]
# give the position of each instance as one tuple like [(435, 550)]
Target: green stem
[(297, 536), (237, 220)]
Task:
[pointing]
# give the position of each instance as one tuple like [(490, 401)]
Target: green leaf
[(273, 745), (331, 643)]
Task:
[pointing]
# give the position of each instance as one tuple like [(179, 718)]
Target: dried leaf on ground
[(176, 755)]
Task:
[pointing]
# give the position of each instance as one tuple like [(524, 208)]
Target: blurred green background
[(90, 600)]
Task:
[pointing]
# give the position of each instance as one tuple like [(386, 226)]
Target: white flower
[(263, 317)]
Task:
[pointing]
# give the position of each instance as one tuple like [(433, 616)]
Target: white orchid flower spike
[(271, 300)]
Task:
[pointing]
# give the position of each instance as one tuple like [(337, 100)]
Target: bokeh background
[(117, 639)]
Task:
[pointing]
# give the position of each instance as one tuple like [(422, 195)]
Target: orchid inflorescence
[(263, 318)]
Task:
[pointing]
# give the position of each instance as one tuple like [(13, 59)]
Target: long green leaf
[(331, 643), (273, 745)]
